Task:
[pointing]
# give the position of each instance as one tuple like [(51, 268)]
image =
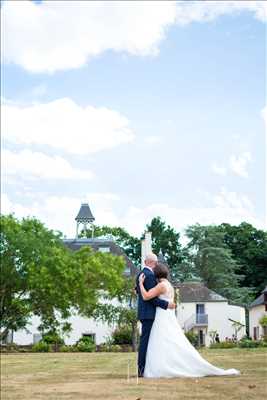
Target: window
[(200, 308), (104, 249), (89, 335), (37, 337), (256, 333), (201, 338), (200, 311)]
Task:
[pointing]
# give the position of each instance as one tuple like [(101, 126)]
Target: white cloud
[(39, 90), (226, 199), (28, 164), (205, 11), (219, 170), (65, 125), (153, 139), (59, 212), (239, 164), (264, 115), (55, 35), (8, 207), (228, 207)]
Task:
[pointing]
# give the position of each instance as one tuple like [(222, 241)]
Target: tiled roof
[(97, 244), (259, 300), (194, 292), (85, 214)]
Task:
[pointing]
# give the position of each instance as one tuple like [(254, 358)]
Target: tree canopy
[(40, 276), (232, 260), (249, 248), (166, 240), (214, 263)]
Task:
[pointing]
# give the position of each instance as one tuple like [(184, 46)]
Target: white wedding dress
[(169, 352)]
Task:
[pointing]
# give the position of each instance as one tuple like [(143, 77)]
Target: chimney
[(146, 247)]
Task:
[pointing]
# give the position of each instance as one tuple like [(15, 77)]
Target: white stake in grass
[(128, 372), (137, 378)]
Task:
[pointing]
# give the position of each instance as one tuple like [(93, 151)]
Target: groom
[(147, 309)]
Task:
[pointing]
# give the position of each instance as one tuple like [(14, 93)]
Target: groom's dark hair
[(161, 271)]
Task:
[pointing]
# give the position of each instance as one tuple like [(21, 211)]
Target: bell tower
[(84, 218)]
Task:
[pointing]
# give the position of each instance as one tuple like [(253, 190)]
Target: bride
[(169, 352)]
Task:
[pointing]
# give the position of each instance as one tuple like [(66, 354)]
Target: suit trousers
[(146, 329)]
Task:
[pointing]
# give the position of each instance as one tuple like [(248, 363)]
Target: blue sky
[(162, 115)]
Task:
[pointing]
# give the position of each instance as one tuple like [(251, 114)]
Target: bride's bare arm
[(151, 293)]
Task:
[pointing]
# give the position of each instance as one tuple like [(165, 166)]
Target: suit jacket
[(147, 308)]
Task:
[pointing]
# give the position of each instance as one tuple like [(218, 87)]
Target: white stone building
[(257, 310), (203, 311), (200, 310)]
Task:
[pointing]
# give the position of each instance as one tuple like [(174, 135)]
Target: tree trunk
[(134, 336)]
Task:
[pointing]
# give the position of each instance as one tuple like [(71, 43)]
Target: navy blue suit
[(146, 315)]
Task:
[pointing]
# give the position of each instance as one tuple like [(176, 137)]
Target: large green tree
[(123, 311), (165, 240), (214, 263), (249, 248), (40, 276)]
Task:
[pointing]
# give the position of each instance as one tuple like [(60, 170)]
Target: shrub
[(251, 344), (103, 347), (223, 345), (41, 347), (263, 320), (110, 348), (87, 344), (68, 349), (122, 335), (193, 338), (25, 350), (65, 349), (244, 343), (115, 348), (53, 338), (10, 347)]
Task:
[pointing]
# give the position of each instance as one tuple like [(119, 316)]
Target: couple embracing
[(164, 350)]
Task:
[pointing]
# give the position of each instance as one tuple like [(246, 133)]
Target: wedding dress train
[(169, 352)]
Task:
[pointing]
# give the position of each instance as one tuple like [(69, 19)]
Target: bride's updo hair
[(161, 271)]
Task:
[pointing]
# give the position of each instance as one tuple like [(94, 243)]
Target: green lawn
[(78, 376)]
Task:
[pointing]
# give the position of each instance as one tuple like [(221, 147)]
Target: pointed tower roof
[(85, 214)]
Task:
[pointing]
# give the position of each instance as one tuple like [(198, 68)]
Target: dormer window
[(104, 249)]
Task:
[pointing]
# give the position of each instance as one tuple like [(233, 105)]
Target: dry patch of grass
[(80, 376)]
